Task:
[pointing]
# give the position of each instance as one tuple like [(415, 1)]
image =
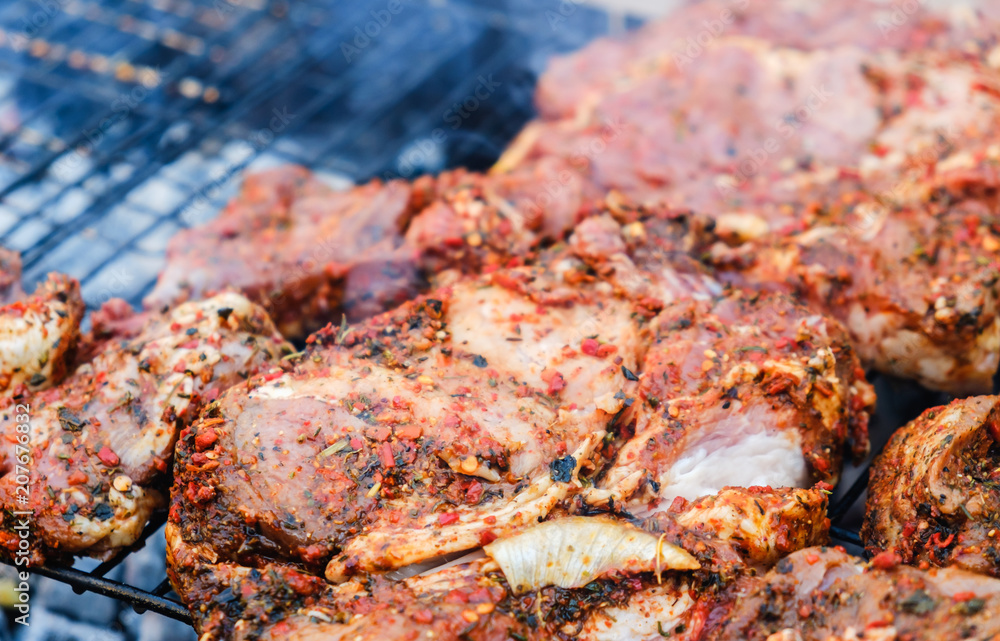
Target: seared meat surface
[(610, 65), (743, 391), (454, 419), (38, 336), (276, 599), (917, 286), (309, 253), (101, 442), (933, 496), (820, 594), (295, 245), (468, 415)]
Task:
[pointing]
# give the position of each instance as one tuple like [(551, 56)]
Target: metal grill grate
[(121, 122)]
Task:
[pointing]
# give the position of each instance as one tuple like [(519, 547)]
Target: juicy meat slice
[(933, 495), (309, 253), (470, 599), (608, 65), (38, 336), (917, 286), (300, 248), (456, 418), (739, 390), (819, 594), (100, 443)]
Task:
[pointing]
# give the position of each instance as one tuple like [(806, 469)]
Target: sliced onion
[(572, 552)]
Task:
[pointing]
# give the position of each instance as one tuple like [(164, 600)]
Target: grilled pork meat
[(101, 442), (740, 391), (819, 594), (456, 418), (298, 247), (38, 336), (734, 389), (916, 286), (609, 66), (933, 496), (309, 253), (472, 598)]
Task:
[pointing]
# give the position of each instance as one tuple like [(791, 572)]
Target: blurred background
[(122, 121)]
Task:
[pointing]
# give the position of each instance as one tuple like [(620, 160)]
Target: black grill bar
[(140, 600)]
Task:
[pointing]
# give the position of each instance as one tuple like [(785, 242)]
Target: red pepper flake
[(398, 403), (205, 439), (812, 559), (490, 520), (272, 375), (385, 455), (381, 433), (486, 537), (300, 583), (938, 543), (423, 616), (356, 443), (556, 384), (606, 350), (962, 597), (474, 493), (589, 346), (448, 518), (410, 432), (78, 477), (108, 457), (886, 560)]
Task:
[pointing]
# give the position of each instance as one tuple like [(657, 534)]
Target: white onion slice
[(572, 552)]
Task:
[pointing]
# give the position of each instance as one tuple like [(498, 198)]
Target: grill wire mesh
[(122, 122)]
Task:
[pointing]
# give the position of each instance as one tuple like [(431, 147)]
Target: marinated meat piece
[(303, 250), (309, 253), (452, 420), (916, 286), (819, 594), (470, 599), (101, 442), (605, 66), (38, 336), (739, 390), (933, 496)]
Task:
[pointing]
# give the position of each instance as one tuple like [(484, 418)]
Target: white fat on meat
[(749, 456)]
